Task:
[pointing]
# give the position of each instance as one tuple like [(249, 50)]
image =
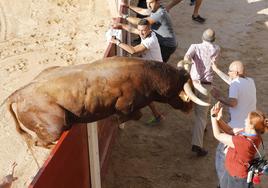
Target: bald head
[(209, 35), (238, 67)]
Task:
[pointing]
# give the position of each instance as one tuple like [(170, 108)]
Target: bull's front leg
[(124, 103), (132, 116)]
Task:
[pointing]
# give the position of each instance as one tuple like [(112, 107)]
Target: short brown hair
[(259, 121), (144, 22)]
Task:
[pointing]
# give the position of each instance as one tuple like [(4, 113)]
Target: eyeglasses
[(231, 70)]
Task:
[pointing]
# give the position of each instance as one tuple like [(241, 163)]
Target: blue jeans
[(228, 181), (220, 160)]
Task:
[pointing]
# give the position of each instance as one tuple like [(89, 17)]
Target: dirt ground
[(159, 156)]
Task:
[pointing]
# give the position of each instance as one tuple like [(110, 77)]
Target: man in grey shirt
[(160, 22)]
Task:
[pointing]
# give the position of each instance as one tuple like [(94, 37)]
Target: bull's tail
[(26, 136)]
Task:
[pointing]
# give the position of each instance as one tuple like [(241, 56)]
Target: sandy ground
[(159, 156), (39, 34), (36, 35)]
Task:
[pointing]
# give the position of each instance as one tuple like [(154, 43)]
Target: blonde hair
[(259, 121)]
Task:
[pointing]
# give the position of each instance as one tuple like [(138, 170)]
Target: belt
[(205, 82)]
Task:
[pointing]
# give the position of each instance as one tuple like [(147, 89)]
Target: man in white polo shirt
[(148, 49)]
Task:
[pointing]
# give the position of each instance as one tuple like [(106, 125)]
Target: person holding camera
[(242, 145)]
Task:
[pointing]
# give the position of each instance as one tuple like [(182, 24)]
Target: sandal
[(192, 2)]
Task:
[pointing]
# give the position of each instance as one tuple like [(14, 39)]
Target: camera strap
[(256, 146)]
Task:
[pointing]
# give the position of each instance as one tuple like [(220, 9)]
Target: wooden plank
[(93, 144), (66, 166)]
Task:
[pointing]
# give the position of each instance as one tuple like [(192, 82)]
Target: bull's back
[(71, 87)]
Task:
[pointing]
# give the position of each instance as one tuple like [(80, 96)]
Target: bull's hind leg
[(49, 131), (46, 120)]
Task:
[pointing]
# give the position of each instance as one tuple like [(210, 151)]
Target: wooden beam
[(93, 149)]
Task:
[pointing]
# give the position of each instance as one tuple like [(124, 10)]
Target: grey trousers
[(200, 122)]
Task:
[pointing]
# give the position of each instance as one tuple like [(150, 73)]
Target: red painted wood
[(67, 165)]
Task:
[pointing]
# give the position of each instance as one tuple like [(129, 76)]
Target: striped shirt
[(202, 55)]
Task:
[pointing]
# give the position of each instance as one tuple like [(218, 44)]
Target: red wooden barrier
[(68, 163)]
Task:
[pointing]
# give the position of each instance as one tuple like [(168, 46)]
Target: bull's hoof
[(122, 126), (47, 145)]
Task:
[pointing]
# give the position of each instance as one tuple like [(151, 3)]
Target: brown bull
[(61, 96)]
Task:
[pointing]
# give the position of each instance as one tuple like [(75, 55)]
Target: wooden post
[(128, 33), (93, 145)]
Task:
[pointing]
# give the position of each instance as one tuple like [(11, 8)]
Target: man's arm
[(126, 27), (139, 10), (135, 20), (231, 102), (171, 4), (130, 49), (188, 57), (221, 74)]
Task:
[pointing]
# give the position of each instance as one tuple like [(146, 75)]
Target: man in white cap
[(201, 56)]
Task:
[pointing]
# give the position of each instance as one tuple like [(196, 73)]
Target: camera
[(259, 165)]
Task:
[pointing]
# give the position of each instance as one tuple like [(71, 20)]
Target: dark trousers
[(142, 4), (166, 52)]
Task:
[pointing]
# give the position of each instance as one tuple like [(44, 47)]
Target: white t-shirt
[(244, 90), (153, 51)]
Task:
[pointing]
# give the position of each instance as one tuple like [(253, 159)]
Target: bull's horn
[(200, 88), (188, 90)]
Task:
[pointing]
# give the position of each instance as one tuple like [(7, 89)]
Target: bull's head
[(187, 94)]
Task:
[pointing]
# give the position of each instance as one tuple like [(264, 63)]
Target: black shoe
[(201, 152), (192, 2), (198, 19)]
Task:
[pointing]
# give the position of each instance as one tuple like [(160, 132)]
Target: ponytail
[(259, 121)]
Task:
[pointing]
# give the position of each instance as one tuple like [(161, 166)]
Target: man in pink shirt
[(202, 55)]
